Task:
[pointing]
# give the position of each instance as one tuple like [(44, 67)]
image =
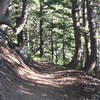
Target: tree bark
[(63, 50), (56, 54), (5, 12), (85, 34), (76, 24), (20, 39), (91, 62), (52, 47), (41, 29), (98, 34), (21, 21)]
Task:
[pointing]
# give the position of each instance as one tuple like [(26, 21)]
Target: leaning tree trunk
[(76, 24), (21, 21), (91, 63)]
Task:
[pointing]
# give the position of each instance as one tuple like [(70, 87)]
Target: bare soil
[(33, 80)]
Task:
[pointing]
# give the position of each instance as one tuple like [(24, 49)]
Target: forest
[(49, 49)]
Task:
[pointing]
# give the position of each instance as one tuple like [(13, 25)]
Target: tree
[(85, 32), (98, 33), (91, 62), (41, 28), (76, 7), (54, 39), (21, 21), (52, 44), (4, 12)]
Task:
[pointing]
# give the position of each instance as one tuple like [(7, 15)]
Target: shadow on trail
[(32, 80), (13, 87)]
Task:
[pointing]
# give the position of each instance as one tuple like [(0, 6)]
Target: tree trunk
[(41, 29), (56, 54), (20, 23), (76, 24), (85, 34), (5, 12), (63, 50), (98, 34), (91, 63), (20, 39), (28, 42), (52, 48)]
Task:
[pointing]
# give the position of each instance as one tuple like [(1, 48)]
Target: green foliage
[(36, 57), (49, 2), (83, 30), (13, 39), (56, 17)]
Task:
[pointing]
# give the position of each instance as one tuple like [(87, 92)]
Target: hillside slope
[(32, 80)]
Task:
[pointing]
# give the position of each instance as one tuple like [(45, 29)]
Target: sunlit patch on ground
[(52, 83)]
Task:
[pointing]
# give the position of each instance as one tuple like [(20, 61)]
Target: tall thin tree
[(41, 28), (76, 25), (91, 63)]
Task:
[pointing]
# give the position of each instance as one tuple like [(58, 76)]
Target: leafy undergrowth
[(33, 80)]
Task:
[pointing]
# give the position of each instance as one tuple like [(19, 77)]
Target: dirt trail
[(42, 81)]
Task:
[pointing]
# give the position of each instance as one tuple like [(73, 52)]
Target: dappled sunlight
[(55, 79), (12, 59), (66, 71), (51, 79), (67, 80), (29, 84), (21, 71), (9, 55), (55, 56), (37, 78), (48, 82), (24, 90), (1, 72)]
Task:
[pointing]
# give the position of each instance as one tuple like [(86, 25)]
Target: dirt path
[(42, 81)]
